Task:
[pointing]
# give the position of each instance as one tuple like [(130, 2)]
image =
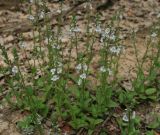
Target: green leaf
[(29, 91), (154, 125), (78, 123), (98, 121), (121, 97), (112, 104), (40, 82), (150, 91), (150, 133)]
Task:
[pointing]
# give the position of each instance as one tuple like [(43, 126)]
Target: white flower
[(103, 69), (107, 31), (83, 76), (65, 133), (120, 16), (153, 35), (59, 70), (112, 37), (58, 11), (31, 1), (15, 70), (60, 64), (76, 29), (85, 67), (22, 44), (55, 78), (133, 115), (158, 16), (28, 130), (56, 46), (31, 17), (41, 15), (115, 49), (98, 29), (53, 71), (125, 118), (79, 67), (39, 119), (79, 81), (109, 71)]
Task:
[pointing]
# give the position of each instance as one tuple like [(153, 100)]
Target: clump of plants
[(53, 84)]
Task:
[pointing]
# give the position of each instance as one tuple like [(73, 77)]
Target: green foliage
[(53, 90)]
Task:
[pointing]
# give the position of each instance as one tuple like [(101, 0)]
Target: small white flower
[(56, 46), (120, 16), (79, 82), (22, 44), (115, 49), (41, 15), (31, 17), (112, 37), (85, 67), (28, 130), (98, 29), (60, 64), (39, 119), (109, 71), (90, 6), (83, 76), (58, 11), (153, 35), (125, 118), (103, 69), (59, 70), (79, 67), (31, 1), (53, 71), (107, 31), (55, 78), (158, 16), (76, 30), (15, 70), (133, 115)]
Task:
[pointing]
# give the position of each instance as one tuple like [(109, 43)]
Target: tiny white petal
[(153, 35), (79, 67), (60, 64), (112, 37), (107, 31), (41, 15), (109, 71), (85, 67), (53, 71), (59, 70), (31, 17), (59, 11), (79, 81), (133, 115), (158, 16), (15, 70), (55, 78), (98, 29), (103, 69), (125, 118), (83, 76), (76, 29)]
